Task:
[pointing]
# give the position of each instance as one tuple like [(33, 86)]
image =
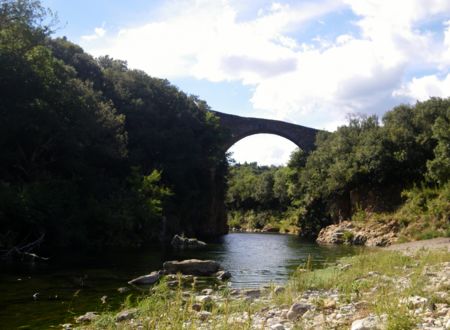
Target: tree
[(439, 167)]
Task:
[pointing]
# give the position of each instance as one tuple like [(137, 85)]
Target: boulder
[(149, 279), (371, 234), (196, 307), (207, 292), (279, 290), (252, 293), (192, 267), (204, 315), (126, 315), (180, 242), (203, 299), (223, 275), (86, 318), (369, 323), (297, 310)]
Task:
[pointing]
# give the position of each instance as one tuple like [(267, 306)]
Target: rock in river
[(223, 275), (149, 279), (180, 242), (192, 267)]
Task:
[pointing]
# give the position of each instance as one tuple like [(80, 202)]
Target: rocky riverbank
[(376, 290), (368, 234)]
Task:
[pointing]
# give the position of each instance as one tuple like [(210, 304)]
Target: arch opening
[(263, 148)]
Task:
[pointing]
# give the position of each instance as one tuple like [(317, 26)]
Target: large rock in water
[(180, 242), (192, 267)]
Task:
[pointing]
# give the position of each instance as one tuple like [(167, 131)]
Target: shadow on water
[(72, 284)]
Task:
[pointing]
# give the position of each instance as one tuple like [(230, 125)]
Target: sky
[(309, 62)]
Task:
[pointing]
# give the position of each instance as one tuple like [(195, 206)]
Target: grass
[(372, 279)]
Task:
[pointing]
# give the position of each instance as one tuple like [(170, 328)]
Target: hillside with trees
[(394, 169), (92, 152), (96, 154)]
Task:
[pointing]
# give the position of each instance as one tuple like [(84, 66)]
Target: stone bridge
[(241, 127)]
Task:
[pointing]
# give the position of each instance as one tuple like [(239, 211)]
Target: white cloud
[(196, 40), (315, 83), (421, 89), (99, 32)]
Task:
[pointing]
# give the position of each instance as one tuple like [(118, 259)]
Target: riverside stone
[(196, 307), (192, 267), (297, 310), (203, 299), (204, 315), (180, 242), (373, 234), (149, 279), (223, 275), (127, 314), (87, 317), (252, 293), (369, 323), (207, 292), (279, 289)]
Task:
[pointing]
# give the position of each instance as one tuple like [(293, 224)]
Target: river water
[(72, 284)]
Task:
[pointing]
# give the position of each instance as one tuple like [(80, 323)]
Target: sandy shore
[(441, 243)]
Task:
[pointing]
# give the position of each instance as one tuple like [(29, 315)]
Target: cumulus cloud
[(423, 88), (314, 82)]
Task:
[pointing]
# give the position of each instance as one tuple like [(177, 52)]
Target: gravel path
[(441, 243)]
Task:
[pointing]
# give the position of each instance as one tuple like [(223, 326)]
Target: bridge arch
[(241, 127)]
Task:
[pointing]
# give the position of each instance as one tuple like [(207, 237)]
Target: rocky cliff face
[(375, 199), (368, 234)]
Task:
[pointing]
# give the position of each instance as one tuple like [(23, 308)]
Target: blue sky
[(311, 62)]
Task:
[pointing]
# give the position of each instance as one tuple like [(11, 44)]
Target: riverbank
[(387, 289)]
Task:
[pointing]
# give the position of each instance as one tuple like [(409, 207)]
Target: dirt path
[(441, 243)]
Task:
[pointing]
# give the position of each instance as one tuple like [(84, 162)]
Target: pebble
[(204, 315), (207, 292), (203, 299)]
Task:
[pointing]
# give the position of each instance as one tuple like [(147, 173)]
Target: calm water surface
[(72, 284)]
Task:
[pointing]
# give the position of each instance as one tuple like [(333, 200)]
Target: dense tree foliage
[(365, 164), (362, 165), (253, 187), (91, 149)]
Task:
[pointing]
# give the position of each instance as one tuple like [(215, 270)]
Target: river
[(72, 284)]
